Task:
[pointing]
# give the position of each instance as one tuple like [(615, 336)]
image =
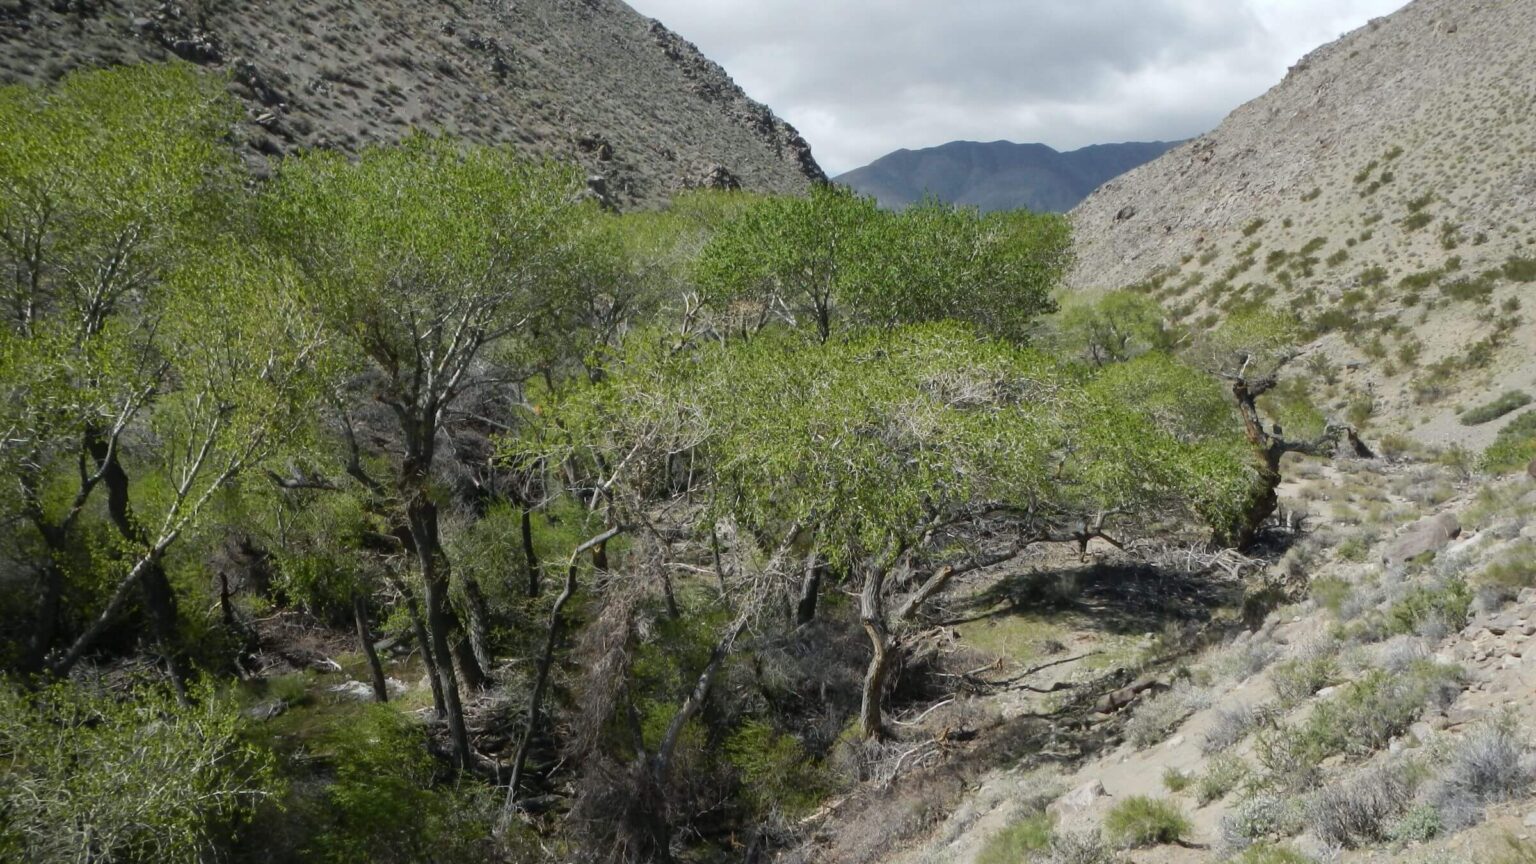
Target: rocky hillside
[(999, 175), (1386, 190), (592, 80)]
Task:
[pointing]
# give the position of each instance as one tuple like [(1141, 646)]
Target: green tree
[(790, 257), (431, 259), (1249, 351), (936, 262), (109, 181), (1113, 328)]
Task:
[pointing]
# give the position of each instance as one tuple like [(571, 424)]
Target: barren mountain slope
[(585, 79), (1385, 190)]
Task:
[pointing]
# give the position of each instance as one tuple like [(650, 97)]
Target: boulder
[(1427, 535)]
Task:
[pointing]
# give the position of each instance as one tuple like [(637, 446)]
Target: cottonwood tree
[(107, 181), (429, 258), (791, 258), (1250, 351), (936, 262), (915, 455), (240, 383), (1113, 328)]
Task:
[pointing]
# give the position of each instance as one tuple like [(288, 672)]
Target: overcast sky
[(861, 78)]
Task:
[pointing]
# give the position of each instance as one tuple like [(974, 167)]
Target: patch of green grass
[(1331, 592), (1510, 401), (1019, 841), (1296, 680), (1140, 821)]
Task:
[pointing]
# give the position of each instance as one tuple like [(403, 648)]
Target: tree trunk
[(159, 597), (545, 662), (360, 618), (530, 555), (425, 641), (479, 628), (872, 616), (810, 591), (422, 514)]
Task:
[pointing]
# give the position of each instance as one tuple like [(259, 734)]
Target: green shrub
[(1520, 269), (1140, 821), (92, 775), (1222, 774), (1448, 603), (1369, 712), (1331, 593), (1296, 680), (1253, 227), (1019, 841), (1514, 570), (1175, 780), (1416, 221), (776, 772), (1514, 447), (1265, 853)]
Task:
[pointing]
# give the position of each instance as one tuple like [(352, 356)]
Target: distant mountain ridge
[(999, 175)]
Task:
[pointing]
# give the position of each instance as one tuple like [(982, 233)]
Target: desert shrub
[(92, 775), (1446, 604), (1520, 269), (1222, 775), (1515, 569), (1075, 847), (1176, 781), (1253, 227), (1140, 821), (1361, 809), (1155, 718), (1415, 221), (1261, 816), (1331, 593), (1019, 841), (1231, 725), (1510, 401), (1419, 824), (1289, 759), (1265, 853), (1354, 549), (1369, 712), (1488, 765), (1514, 447), (1248, 659), (1296, 680), (1400, 653)]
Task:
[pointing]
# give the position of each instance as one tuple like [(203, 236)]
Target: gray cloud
[(863, 77)]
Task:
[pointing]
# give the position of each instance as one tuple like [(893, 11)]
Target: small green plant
[(1296, 680), (1316, 192), (1253, 227), (1415, 221), (1510, 401), (1266, 853), (1176, 781), (1223, 774), (1447, 605), (1140, 821), (1020, 841)]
